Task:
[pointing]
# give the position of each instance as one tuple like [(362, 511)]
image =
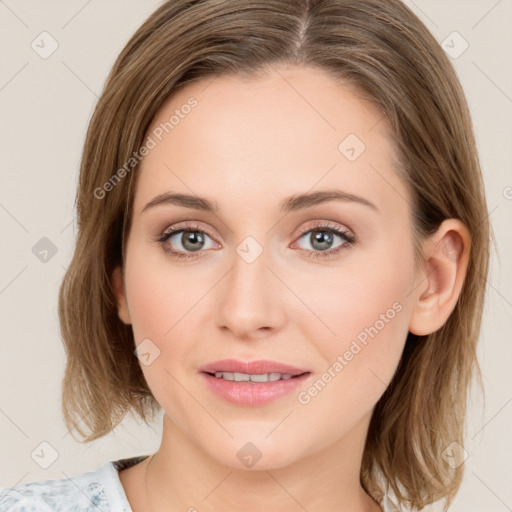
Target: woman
[(282, 245)]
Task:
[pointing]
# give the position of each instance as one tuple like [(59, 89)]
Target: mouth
[(253, 383), (255, 377)]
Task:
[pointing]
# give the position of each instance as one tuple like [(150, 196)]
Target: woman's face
[(266, 276)]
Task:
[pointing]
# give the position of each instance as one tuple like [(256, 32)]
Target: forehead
[(235, 138)]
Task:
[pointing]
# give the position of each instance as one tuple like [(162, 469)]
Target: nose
[(251, 299)]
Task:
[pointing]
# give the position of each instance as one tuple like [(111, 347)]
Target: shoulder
[(95, 490)]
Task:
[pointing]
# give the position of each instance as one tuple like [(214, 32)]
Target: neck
[(182, 476)]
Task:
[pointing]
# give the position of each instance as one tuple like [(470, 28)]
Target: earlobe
[(446, 256), (120, 295)]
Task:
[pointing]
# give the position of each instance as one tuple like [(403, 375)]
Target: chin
[(257, 452)]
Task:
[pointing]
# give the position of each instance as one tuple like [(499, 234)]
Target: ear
[(446, 255), (120, 294)]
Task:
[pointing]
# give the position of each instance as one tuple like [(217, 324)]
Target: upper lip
[(252, 367)]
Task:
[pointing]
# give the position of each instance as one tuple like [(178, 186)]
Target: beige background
[(45, 106)]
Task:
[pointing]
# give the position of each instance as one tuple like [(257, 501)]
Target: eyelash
[(348, 238)]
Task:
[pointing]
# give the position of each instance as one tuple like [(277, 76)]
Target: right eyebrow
[(185, 200)]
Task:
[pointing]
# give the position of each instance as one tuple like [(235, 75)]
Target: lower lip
[(253, 393)]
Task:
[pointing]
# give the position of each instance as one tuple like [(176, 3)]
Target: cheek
[(367, 290), (366, 306), (359, 363), (159, 295), (165, 307), (373, 311), (371, 326), (159, 299)]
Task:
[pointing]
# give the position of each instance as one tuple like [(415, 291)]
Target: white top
[(93, 491)]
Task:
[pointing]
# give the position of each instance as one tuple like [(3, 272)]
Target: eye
[(321, 238), (189, 236)]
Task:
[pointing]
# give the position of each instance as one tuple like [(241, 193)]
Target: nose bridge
[(249, 283), (250, 298)]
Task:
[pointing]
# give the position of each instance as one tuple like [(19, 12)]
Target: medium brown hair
[(388, 55)]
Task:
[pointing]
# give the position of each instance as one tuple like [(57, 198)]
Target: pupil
[(192, 239), (324, 238)]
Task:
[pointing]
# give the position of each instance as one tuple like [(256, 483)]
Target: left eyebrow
[(290, 204), (301, 201)]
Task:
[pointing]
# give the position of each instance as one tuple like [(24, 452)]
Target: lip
[(252, 394), (252, 367)]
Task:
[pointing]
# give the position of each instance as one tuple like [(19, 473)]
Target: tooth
[(260, 378), (244, 377)]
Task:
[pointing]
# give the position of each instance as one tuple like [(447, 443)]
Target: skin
[(247, 145)]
